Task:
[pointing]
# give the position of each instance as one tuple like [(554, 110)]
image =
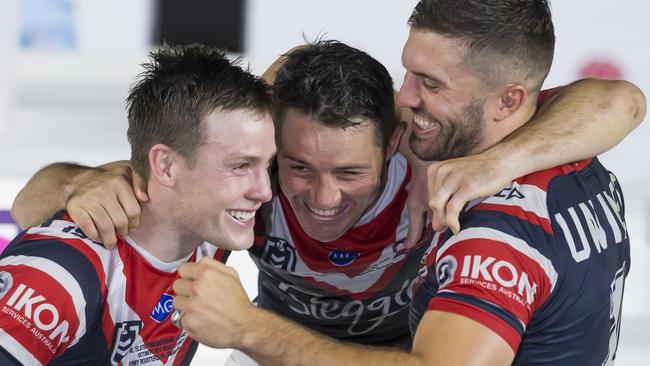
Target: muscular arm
[(100, 200), (46, 192), (219, 314), (576, 122)]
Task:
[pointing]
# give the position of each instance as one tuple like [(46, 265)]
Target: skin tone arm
[(101, 200), (568, 127), (217, 313)]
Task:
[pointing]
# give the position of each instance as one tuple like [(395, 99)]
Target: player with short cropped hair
[(196, 119), (532, 275)]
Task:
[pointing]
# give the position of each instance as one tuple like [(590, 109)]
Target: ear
[(164, 164), (395, 139), (510, 100)]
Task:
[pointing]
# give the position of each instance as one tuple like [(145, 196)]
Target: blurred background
[(66, 65)]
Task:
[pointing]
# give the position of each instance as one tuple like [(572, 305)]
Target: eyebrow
[(348, 167)]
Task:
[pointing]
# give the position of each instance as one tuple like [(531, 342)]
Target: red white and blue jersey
[(356, 288), (542, 264), (67, 300)]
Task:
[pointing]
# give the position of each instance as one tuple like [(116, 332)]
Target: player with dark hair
[(533, 274)]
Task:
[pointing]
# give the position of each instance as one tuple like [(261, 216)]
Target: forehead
[(430, 54), (303, 136), (239, 132)]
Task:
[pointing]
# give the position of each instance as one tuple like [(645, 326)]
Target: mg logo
[(163, 308)]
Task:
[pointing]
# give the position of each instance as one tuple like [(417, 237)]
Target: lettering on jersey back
[(280, 254), (125, 335), (587, 224)]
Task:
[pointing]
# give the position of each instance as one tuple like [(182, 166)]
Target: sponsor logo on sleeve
[(6, 281), (34, 312), (446, 269)]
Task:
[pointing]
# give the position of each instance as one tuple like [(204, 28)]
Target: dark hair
[(179, 87), (506, 40), (336, 85)]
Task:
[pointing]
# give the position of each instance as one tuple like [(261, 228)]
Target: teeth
[(422, 123), (241, 215), (330, 212)]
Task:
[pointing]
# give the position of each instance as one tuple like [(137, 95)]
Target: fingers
[(129, 209), (139, 186)]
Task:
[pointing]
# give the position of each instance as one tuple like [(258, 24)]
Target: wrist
[(512, 159)]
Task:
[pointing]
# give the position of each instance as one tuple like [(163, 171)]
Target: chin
[(236, 243)]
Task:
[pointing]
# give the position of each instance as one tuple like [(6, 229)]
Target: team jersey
[(67, 300), (542, 264), (356, 288)]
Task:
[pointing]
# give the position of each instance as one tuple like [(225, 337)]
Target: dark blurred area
[(217, 23)]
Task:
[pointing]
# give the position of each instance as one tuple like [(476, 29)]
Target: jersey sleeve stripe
[(488, 306), (62, 276), (487, 319), (14, 348), (514, 242)]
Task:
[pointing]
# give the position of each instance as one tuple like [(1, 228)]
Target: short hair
[(506, 40), (337, 85), (179, 87)]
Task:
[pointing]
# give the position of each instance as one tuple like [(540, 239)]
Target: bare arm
[(219, 314), (100, 199), (576, 122), (45, 193)]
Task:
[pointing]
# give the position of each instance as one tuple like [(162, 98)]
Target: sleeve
[(47, 293), (494, 277)]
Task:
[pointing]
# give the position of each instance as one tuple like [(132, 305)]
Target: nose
[(408, 95), (325, 193), (261, 188)]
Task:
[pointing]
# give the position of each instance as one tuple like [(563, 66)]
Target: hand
[(105, 200), (215, 306), (454, 182)]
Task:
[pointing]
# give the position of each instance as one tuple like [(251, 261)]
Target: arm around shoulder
[(45, 193)]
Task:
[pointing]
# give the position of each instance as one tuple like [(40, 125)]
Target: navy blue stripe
[(501, 313), (6, 359)]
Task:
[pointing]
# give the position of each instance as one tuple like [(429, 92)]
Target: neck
[(504, 128), (159, 235)]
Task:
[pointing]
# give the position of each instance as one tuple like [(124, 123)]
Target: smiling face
[(330, 175), (227, 179), (446, 100)]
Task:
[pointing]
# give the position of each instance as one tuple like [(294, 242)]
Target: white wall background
[(69, 105)]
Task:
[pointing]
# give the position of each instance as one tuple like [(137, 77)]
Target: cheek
[(292, 185)]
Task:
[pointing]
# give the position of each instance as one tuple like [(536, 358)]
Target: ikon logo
[(45, 315), (499, 271)]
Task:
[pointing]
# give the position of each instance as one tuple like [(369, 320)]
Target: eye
[(300, 170), (430, 84), (243, 167), (348, 174)]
